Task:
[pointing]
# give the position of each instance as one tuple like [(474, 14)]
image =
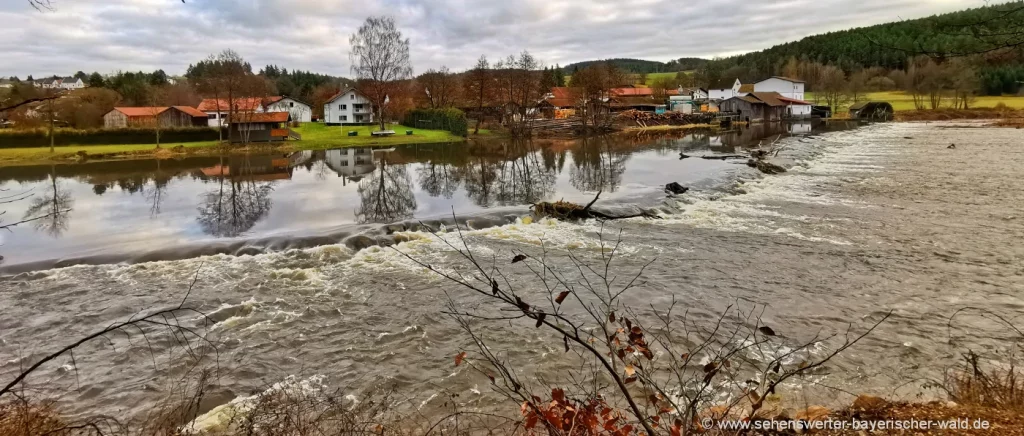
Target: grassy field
[(315, 136), (902, 101)]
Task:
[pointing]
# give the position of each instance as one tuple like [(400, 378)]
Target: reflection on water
[(130, 206)]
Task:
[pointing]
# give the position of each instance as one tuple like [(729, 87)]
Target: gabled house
[(724, 89), (789, 88), (765, 106), (298, 110), (217, 110), (348, 107)]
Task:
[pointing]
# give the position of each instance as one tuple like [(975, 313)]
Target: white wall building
[(720, 91), (789, 88), (299, 111), (348, 107)]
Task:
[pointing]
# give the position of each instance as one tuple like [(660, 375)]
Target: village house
[(348, 107), (724, 89), (173, 116), (218, 109), (298, 110), (789, 88), (67, 83), (261, 127), (756, 107)]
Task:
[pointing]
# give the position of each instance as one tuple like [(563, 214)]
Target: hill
[(994, 34), (643, 66)]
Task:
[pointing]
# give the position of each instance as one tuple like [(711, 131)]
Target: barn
[(153, 116)]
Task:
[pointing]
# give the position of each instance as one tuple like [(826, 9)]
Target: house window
[(292, 104), (344, 117), (351, 96), (343, 107)]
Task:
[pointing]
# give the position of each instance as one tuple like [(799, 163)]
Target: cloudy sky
[(111, 35)]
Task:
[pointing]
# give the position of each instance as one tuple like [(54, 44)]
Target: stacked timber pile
[(564, 127), (647, 119)]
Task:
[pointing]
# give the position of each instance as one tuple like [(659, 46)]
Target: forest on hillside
[(642, 66), (991, 38)]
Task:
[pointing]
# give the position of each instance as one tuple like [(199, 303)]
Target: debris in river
[(765, 166), (683, 155), (676, 188), (951, 146), (565, 210)]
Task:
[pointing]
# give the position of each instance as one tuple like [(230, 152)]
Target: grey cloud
[(110, 35)]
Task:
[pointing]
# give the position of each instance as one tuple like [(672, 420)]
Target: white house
[(300, 111), (60, 83), (721, 90), (789, 88), (348, 107)]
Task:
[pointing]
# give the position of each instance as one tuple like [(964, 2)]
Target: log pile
[(647, 119)]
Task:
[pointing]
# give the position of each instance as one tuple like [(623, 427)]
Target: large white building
[(300, 111), (789, 88), (348, 107)]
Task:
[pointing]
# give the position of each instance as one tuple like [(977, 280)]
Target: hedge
[(452, 120), (130, 135)]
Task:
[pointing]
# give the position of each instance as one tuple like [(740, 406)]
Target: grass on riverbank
[(901, 101), (315, 136)]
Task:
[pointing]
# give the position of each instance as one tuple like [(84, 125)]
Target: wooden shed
[(261, 127), (152, 116)]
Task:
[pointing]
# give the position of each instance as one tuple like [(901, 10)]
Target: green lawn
[(902, 101), (316, 136)]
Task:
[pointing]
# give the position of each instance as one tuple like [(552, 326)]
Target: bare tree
[(380, 58), (49, 213), (833, 87), (479, 88), (438, 87), (518, 91), (386, 194)]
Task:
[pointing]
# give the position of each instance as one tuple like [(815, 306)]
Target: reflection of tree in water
[(439, 179), (522, 176), (479, 176), (596, 167), (50, 211), (385, 195), (236, 205)]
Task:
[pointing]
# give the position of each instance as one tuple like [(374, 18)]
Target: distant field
[(902, 101)]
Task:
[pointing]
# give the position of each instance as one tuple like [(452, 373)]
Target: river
[(869, 219)]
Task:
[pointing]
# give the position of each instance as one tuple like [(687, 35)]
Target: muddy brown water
[(866, 221)]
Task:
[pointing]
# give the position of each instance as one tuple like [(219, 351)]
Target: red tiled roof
[(241, 104), (792, 100), (191, 111), (561, 92), (269, 117), (149, 111), (274, 99), (638, 92)]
